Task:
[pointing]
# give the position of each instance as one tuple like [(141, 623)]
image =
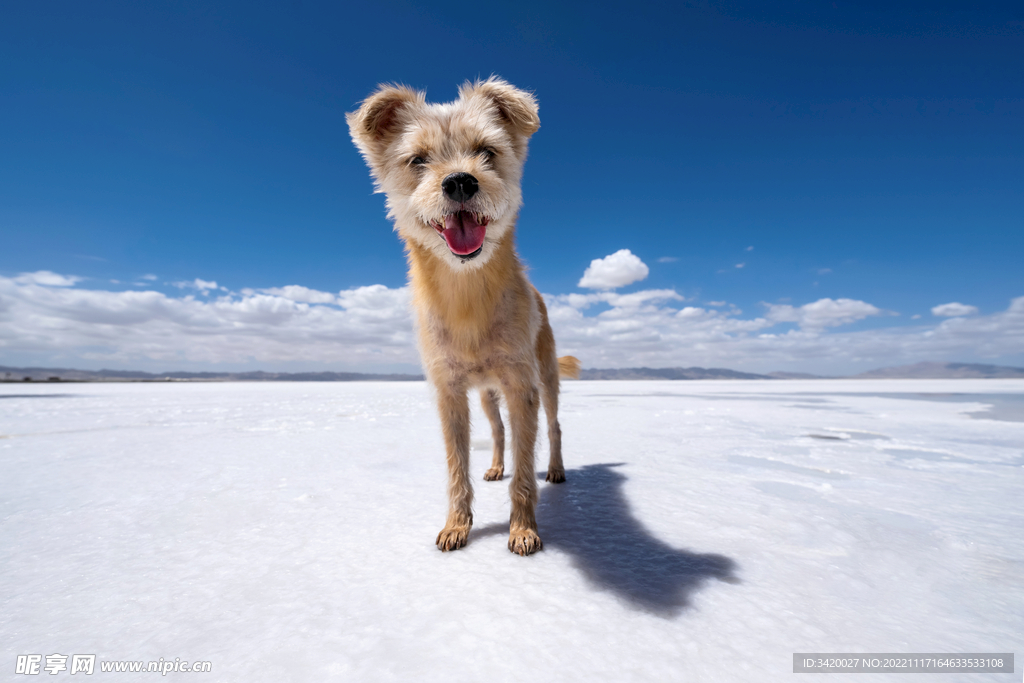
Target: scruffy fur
[(480, 321)]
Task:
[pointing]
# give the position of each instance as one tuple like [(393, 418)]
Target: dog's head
[(451, 172)]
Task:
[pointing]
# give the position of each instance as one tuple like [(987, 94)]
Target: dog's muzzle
[(459, 187), (463, 232)]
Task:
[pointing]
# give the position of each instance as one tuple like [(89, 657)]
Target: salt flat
[(707, 530)]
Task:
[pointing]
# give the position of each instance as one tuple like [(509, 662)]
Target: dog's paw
[(452, 538), (494, 474), (555, 476), (524, 542)]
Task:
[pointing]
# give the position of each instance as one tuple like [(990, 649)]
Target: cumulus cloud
[(822, 313), (203, 286), (614, 271), (953, 309), (658, 334), (364, 326), (47, 278), (371, 326), (301, 294)]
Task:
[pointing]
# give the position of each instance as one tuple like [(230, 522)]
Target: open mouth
[(463, 232)]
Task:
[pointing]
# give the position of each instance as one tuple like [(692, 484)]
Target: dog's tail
[(569, 366)]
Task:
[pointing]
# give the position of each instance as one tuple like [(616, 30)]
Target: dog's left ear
[(517, 108), (380, 117)]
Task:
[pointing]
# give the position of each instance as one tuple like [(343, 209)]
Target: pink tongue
[(462, 233)]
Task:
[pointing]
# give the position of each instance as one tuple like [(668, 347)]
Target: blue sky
[(865, 153)]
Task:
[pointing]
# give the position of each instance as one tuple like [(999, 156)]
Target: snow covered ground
[(707, 531)]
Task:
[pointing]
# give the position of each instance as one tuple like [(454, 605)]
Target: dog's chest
[(483, 345)]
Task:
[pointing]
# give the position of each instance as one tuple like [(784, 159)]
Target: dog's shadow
[(589, 517)]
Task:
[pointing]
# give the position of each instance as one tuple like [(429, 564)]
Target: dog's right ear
[(517, 108), (380, 117)]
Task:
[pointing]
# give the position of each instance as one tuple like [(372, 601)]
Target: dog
[(451, 174)]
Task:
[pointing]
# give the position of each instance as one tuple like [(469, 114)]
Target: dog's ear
[(379, 117), (517, 108)]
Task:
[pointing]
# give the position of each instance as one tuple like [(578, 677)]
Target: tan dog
[(451, 173)]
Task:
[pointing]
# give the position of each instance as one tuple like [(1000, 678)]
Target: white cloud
[(371, 326), (822, 313), (613, 271), (149, 277), (203, 286), (48, 278), (824, 271), (301, 294), (368, 327), (954, 309), (750, 248), (667, 259), (659, 335), (741, 265)]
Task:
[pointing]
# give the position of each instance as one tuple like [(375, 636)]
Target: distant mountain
[(944, 371), (667, 373), (796, 375), (916, 371), (70, 375)]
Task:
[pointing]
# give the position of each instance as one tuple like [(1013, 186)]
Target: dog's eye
[(417, 161), (487, 153)]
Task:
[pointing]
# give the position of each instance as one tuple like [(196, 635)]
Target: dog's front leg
[(453, 404), (522, 399)]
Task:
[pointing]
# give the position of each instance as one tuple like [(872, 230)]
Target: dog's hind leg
[(490, 399), (522, 399), (549, 394), (453, 404)]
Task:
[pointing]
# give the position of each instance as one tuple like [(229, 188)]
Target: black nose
[(459, 186)]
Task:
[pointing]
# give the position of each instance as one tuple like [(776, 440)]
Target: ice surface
[(707, 530)]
